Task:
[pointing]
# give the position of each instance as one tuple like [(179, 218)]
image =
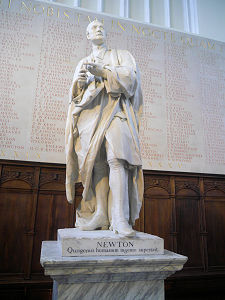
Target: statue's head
[(96, 32)]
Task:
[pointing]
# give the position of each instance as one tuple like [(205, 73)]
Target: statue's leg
[(118, 182), (100, 181)]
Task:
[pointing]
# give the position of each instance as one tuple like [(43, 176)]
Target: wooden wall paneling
[(139, 224), (53, 212), (50, 217), (43, 228), (215, 221), (140, 221), (203, 232), (17, 177), (53, 181), (158, 208), (79, 190), (142, 218), (16, 209), (31, 230), (26, 291), (63, 214), (12, 293), (188, 221), (173, 232), (187, 210), (39, 293)]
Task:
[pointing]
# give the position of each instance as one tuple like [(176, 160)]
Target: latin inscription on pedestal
[(74, 242)]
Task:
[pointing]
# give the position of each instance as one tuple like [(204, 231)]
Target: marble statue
[(102, 145)]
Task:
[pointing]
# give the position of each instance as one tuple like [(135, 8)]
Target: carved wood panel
[(18, 177), (188, 211), (188, 227), (15, 230), (215, 222), (158, 214), (53, 212)]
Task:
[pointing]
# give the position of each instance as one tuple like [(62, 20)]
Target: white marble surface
[(102, 137), (74, 242), (153, 290), (108, 277), (51, 259)]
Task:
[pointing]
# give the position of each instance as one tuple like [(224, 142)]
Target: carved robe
[(105, 109)]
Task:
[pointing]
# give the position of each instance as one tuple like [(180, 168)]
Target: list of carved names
[(17, 58), (183, 80)]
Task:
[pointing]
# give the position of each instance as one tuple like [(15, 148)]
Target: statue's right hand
[(82, 77)]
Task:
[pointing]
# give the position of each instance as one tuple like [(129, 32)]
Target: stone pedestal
[(108, 277)]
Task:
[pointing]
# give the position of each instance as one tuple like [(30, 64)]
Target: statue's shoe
[(98, 221), (124, 229)]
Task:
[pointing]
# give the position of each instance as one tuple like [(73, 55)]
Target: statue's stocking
[(118, 182)]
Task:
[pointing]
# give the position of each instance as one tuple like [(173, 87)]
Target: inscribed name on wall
[(182, 75)]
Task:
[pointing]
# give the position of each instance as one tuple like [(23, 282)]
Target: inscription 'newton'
[(114, 244)]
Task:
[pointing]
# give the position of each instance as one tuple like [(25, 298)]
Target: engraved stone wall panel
[(182, 75)]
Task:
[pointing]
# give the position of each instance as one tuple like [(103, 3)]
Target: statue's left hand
[(96, 69)]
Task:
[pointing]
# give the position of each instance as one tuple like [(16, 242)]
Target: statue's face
[(96, 32)]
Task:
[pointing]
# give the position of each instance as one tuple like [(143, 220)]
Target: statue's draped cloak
[(104, 109)]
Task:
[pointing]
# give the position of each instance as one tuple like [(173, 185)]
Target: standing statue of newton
[(102, 145)]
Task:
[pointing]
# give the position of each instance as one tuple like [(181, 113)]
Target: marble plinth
[(108, 277), (74, 242)]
